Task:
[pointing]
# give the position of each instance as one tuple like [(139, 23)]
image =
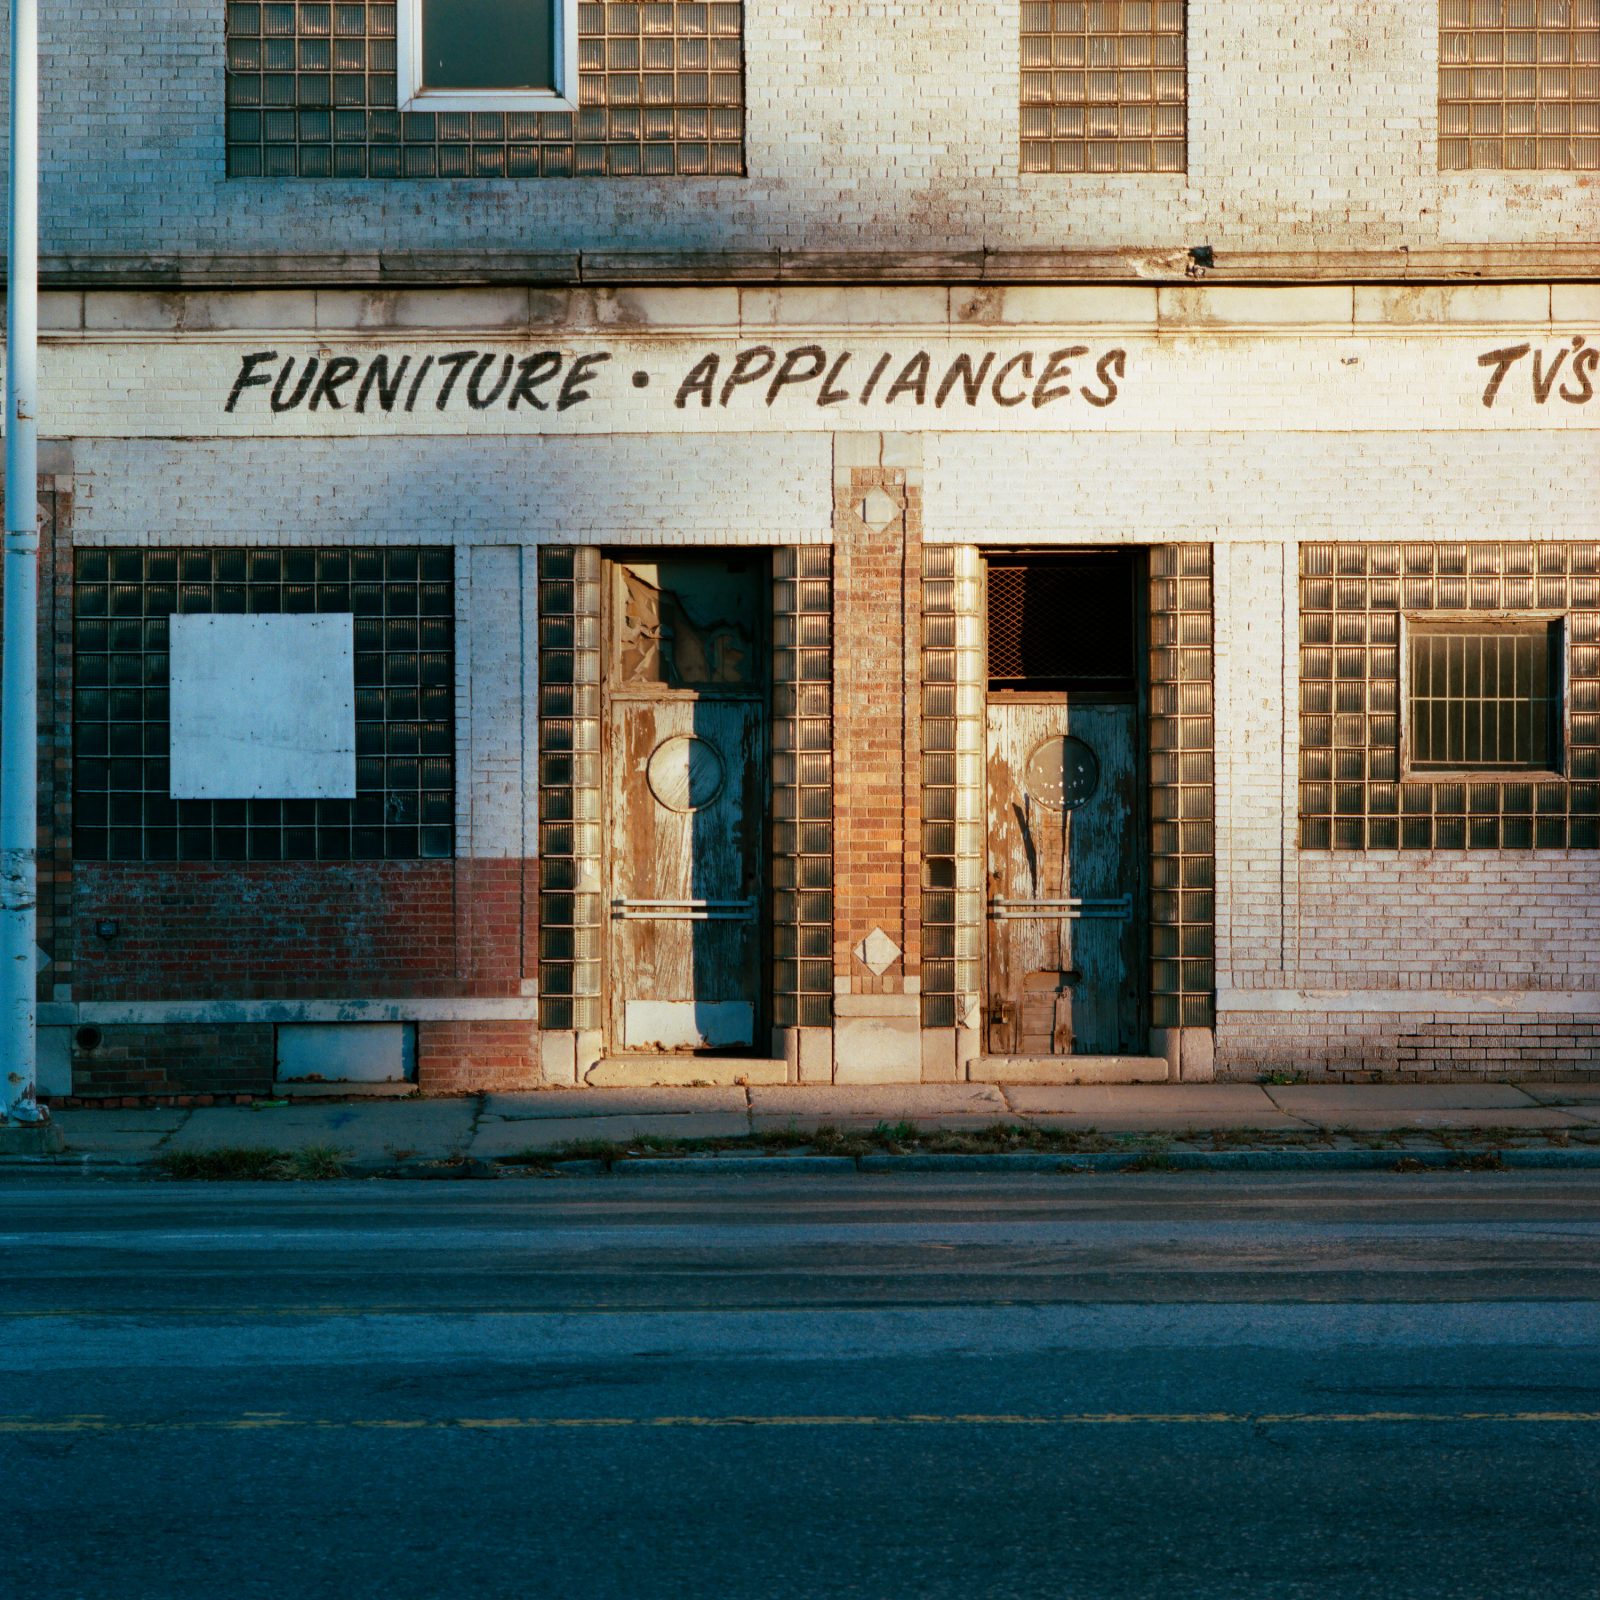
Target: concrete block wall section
[(1313, 127)]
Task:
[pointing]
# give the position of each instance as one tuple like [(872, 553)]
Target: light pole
[(19, 670)]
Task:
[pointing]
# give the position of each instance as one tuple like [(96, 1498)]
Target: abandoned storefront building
[(686, 541)]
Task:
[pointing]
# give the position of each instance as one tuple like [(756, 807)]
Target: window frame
[(1561, 729), (413, 96)]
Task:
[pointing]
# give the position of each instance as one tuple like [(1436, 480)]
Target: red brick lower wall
[(272, 930), (456, 1056), (189, 1061), (300, 930), (173, 1061)]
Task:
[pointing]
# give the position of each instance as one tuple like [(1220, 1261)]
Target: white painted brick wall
[(764, 489), (496, 770), (870, 123), (1239, 485), (1461, 920), (1401, 940), (1254, 694)]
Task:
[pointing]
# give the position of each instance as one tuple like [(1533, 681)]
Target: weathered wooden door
[(686, 769), (1064, 850)]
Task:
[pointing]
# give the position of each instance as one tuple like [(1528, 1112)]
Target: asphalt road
[(1075, 1386)]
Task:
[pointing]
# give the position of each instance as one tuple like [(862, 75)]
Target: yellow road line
[(250, 1422)]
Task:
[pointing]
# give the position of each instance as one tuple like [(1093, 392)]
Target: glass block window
[(1483, 696), (1183, 899), (802, 786), (954, 841), (1104, 86), (402, 603), (313, 90), (1519, 85), (570, 915), (1356, 602)]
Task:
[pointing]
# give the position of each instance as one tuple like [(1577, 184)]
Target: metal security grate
[(312, 90), (1482, 697), (1104, 86), (1354, 794), (402, 602), (1062, 621), (1519, 85)]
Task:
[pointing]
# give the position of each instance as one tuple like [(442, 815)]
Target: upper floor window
[(1519, 85), (466, 55), (1104, 86), (485, 89)]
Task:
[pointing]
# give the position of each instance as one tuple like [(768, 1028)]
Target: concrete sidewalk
[(480, 1130)]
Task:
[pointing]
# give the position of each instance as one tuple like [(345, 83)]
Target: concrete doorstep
[(954, 1126)]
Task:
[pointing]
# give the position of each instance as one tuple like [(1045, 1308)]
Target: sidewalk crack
[(479, 1101), (176, 1128)]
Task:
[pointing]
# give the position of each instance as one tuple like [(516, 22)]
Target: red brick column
[(877, 742)]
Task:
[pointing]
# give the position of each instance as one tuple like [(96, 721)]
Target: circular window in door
[(684, 773), (1062, 773)]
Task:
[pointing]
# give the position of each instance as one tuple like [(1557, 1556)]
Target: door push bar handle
[(682, 910), (1119, 909)]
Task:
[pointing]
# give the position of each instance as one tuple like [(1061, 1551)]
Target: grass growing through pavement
[(894, 1138), (253, 1164), (1149, 1151)]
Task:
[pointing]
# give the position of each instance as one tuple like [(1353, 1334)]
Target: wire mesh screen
[(1104, 86), (1062, 621), (1519, 84), (403, 608), (1482, 697)]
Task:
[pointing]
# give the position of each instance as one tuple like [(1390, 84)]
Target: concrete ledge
[(1470, 263), (1068, 1069), (147, 1013), (954, 304), (1414, 1002), (30, 1139), (683, 1071), (300, 1089)]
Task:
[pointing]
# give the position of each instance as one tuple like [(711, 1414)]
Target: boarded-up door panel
[(685, 817), (1063, 878)]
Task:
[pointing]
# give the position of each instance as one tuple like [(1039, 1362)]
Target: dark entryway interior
[(1061, 620)]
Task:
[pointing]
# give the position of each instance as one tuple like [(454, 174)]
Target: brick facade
[(271, 930), (1206, 282), (874, 128)]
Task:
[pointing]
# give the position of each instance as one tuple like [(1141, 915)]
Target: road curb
[(739, 1163)]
